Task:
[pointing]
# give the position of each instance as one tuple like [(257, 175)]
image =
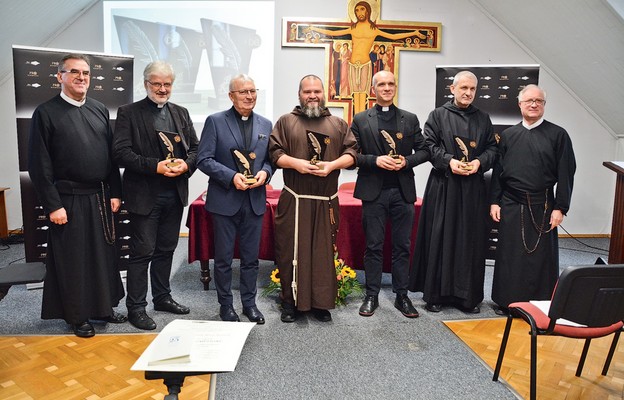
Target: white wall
[(468, 38)]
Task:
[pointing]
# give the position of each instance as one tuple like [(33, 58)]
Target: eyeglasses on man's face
[(159, 85), (75, 72), (245, 92), (529, 102)]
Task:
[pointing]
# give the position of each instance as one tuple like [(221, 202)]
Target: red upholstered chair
[(590, 296), (347, 186)]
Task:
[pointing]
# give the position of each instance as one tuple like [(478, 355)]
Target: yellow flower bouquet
[(274, 285), (347, 281), (345, 275)]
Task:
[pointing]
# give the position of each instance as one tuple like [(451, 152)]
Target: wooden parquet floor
[(68, 367), (557, 359)]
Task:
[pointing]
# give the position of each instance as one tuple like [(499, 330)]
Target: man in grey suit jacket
[(156, 143), (233, 152), (390, 146)]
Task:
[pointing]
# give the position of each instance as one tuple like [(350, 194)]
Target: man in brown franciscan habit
[(311, 146)]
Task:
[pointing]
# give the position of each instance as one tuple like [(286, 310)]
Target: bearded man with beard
[(307, 212)]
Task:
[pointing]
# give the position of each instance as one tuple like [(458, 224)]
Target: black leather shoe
[(322, 315), (116, 318), (404, 304), (371, 302), (83, 330), (474, 310), (141, 320), (503, 311), (288, 313), (433, 307), (227, 313), (254, 314), (172, 306)]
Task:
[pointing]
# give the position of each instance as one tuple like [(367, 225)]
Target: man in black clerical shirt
[(78, 185), (531, 192), (156, 144), (233, 152), (390, 146)]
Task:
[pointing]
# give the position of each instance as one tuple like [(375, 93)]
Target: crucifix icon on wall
[(357, 48)]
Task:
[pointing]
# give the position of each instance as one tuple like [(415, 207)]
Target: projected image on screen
[(151, 41), (229, 49), (207, 43)]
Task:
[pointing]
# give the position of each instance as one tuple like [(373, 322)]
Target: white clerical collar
[(533, 125), (241, 116), (160, 106), (72, 101), (382, 108)]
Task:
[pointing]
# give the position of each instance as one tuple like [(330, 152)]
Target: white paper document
[(191, 345), (171, 348), (544, 306)]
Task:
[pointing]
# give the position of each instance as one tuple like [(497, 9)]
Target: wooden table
[(616, 245), (350, 241)]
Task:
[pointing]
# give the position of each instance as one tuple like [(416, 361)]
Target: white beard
[(314, 111)]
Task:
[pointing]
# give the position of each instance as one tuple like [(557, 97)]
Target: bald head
[(384, 86)]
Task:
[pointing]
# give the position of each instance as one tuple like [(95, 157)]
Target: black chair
[(16, 274), (589, 295)]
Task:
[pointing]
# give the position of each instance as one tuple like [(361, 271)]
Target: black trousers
[(389, 206), (154, 239)]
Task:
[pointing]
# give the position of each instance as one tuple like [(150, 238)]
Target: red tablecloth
[(350, 241)]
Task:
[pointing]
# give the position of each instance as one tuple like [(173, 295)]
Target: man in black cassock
[(448, 265), (79, 186), (156, 143), (535, 155)]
